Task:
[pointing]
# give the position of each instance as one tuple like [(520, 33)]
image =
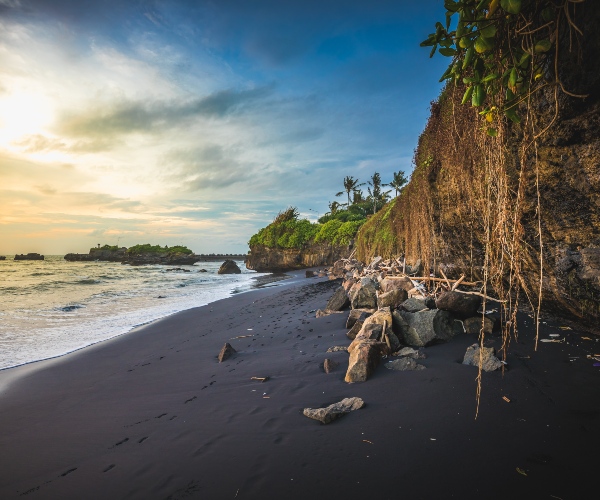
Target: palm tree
[(334, 207), (350, 185), (398, 181), (377, 196)]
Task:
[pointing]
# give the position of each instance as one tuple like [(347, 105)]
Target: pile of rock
[(391, 310)]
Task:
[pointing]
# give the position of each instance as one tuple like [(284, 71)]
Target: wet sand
[(153, 415)]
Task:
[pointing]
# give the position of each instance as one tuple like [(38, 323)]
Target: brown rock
[(488, 358), (389, 284), (473, 325), (226, 352), (353, 332), (363, 360), (357, 315), (367, 332), (338, 301), (329, 365)]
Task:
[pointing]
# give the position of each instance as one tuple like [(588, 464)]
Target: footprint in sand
[(161, 415), (191, 399), (119, 443), (68, 472), (141, 441), (111, 466)]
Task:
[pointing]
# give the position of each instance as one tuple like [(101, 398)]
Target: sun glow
[(23, 114)]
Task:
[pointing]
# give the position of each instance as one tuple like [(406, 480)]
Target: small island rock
[(229, 267)]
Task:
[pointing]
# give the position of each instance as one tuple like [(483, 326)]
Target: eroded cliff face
[(264, 259), (444, 217)]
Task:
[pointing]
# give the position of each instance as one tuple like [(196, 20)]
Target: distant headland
[(147, 254), (29, 256)]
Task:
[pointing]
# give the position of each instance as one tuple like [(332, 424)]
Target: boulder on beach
[(363, 295), (392, 299), (426, 327), (473, 325), (226, 352), (357, 315), (334, 411), (338, 301), (414, 305), (356, 327), (462, 304), (401, 283), (364, 359), (489, 361), (229, 267)]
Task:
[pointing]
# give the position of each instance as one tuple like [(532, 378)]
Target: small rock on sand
[(489, 361), (334, 411), (226, 352), (404, 364), (337, 348), (329, 365)]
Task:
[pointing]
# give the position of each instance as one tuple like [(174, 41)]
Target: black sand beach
[(153, 415)]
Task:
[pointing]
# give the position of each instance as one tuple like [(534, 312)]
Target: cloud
[(137, 116)]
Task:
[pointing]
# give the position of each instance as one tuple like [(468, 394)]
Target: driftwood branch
[(486, 297), (429, 278), (460, 280)]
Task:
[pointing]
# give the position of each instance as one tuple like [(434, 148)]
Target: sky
[(196, 122)]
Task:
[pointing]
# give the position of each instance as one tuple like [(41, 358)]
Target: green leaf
[(492, 132), (448, 52), (467, 95), (468, 58), (429, 42), (512, 79), (447, 74), (524, 62), (511, 6), (549, 13), (467, 80), (542, 46), (511, 113), (481, 4), (487, 30), (478, 96), (489, 78), (483, 44), (433, 50)]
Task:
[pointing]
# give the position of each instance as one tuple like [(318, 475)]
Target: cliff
[(473, 201), (265, 259)]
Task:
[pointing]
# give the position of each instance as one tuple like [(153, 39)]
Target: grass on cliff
[(287, 231), (147, 248)]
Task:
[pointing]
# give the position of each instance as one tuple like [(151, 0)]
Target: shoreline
[(152, 414), (264, 281)]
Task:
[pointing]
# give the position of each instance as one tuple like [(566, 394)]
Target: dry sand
[(153, 415)]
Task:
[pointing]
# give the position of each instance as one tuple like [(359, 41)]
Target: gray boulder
[(229, 267), (403, 364), (414, 305), (462, 304), (412, 353), (334, 411), (488, 357), (426, 327), (392, 298), (338, 301), (363, 295)]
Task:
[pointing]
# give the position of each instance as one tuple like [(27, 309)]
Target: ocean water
[(52, 307)]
